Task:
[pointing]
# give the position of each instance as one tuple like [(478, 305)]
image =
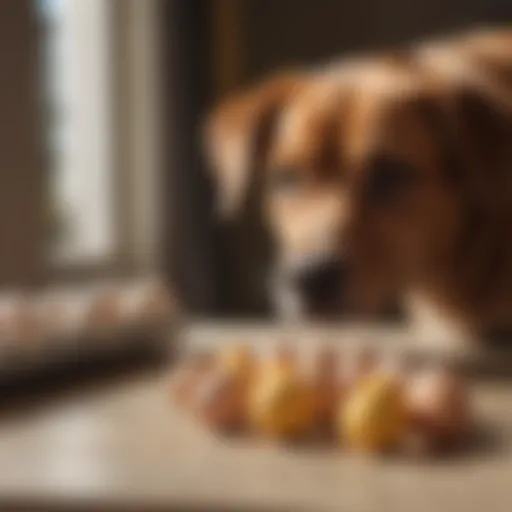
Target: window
[(101, 78), (79, 86)]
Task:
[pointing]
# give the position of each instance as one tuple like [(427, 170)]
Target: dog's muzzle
[(315, 286)]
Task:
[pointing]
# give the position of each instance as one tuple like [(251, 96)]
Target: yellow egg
[(374, 416), (282, 404)]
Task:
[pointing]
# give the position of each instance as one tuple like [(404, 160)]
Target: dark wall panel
[(291, 32)]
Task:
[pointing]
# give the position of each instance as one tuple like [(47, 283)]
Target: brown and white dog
[(383, 177)]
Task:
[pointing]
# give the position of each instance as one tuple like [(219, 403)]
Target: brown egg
[(240, 363), (327, 363), (183, 380), (277, 357), (438, 403), (105, 309), (187, 378), (29, 323), (18, 321), (238, 360), (148, 302), (158, 302), (7, 320), (143, 303), (285, 355), (358, 364), (322, 372), (220, 402), (70, 311), (204, 360), (400, 366), (49, 310)]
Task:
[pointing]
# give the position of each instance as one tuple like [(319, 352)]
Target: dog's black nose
[(322, 282)]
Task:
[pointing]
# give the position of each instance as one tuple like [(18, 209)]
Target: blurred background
[(102, 170), (102, 175)]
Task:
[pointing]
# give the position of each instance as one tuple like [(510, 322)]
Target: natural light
[(77, 75)]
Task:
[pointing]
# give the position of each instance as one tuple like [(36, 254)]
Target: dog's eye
[(389, 178), (287, 179)]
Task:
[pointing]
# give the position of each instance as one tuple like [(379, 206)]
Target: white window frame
[(131, 127)]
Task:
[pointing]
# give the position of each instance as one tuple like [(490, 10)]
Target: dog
[(383, 178)]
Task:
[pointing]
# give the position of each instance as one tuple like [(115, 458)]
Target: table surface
[(123, 444)]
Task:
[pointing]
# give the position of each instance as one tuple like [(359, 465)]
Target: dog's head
[(368, 176)]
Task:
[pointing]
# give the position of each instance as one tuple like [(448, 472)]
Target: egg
[(327, 363), (187, 377), (282, 355), (221, 403), (8, 324), (104, 309), (31, 323), (358, 364), (322, 371), (438, 403), (157, 302), (282, 404), (66, 311), (147, 302), (238, 360), (18, 324), (374, 417), (399, 366), (182, 381)]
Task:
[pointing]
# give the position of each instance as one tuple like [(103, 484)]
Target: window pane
[(77, 81)]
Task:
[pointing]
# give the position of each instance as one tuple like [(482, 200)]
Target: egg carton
[(60, 326), (321, 384), (386, 341)]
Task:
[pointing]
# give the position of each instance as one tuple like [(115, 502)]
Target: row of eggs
[(70, 312), (372, 401)]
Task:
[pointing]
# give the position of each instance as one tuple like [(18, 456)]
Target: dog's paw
[(437, 330)]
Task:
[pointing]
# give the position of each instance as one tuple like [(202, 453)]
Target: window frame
[(135, 97)]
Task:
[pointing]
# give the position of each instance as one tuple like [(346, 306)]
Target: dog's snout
[(321, 282)]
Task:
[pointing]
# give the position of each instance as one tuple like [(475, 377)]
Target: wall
[(21, 157), (289, 32)]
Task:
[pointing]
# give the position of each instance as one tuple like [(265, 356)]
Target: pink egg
[(438, 401)]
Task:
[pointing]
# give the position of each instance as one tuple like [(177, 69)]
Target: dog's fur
[(400, 164)]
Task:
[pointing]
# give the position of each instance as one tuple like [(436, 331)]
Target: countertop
[(122, 446)]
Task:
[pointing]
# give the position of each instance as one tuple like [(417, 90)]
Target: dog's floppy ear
[(483, 125), (238, 133), (473, 128)]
